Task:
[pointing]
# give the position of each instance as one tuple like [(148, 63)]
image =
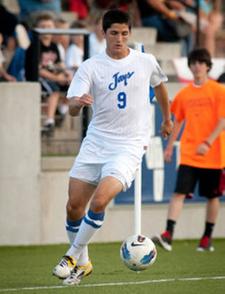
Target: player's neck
[(118, 55), (200, 81)]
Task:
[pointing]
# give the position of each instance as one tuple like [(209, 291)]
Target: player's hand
[(77, 103), (85, 100), (202, 148), (168, 153), (166, 128)]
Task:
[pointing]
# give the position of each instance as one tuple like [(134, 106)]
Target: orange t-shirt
[(201, 108)]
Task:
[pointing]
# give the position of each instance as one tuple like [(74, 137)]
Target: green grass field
[(28, 270)]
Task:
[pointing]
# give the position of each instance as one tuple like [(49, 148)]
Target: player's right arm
[(77, 103), (175, 132)]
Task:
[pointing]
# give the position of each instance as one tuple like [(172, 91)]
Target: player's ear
[(103, 33)]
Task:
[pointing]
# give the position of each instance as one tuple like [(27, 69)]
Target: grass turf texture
[(30, 267)]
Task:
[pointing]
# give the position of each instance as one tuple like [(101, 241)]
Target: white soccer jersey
[(120, 88)]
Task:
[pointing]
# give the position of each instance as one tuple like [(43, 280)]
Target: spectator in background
[(8, 22), (97, 40), (80, 8), (30, 8), (13, 43), (4, 76), (75, 52), (210, 11), (129, 6), (162, 15), (52, 74), (8, 50), (62, 41), (211, 19), (200, 107), (16, 66)]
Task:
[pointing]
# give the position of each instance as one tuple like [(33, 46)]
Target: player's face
[(46, 24), (116, 40), (199, 70)]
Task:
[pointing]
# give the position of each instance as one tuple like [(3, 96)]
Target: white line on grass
[(115, 284)]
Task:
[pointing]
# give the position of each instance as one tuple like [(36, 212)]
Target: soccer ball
[(138, 252)]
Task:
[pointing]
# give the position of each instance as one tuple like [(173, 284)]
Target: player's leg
[(79, 195), (175, 206), (174, 211), (52, 90), (107, 189), (84, 266), (209, 187), (185, 184), (212, 209), (75, 214), (115, 177)]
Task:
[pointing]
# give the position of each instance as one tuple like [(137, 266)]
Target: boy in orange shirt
[(201, 106)]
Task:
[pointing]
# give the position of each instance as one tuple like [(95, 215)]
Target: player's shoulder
[(184, 92), (143, 55), (88, 65), (186, 88), (92, 61), (216, 85)]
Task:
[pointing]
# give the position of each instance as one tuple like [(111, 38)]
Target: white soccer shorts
[(121, 167)]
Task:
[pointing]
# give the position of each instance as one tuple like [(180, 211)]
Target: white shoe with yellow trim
[(78, 273)]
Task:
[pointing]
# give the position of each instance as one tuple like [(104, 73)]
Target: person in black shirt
[(53, 76)]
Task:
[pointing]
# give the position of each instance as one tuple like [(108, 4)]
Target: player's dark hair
[(201, 55), (115, 16), (44, 16)]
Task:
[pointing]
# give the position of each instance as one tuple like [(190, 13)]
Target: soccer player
[(201, 107), (116, 84)]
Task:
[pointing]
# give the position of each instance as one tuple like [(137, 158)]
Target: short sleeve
[(177, 108), (81, 82), (158, 76)]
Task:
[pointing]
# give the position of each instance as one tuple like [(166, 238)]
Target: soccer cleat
[(164, 240), (205, 244), (78, 273), (189, 196), (65, 267), (48, 130)]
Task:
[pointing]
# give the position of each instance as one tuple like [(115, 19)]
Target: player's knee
[(98, 205), (73, 208)]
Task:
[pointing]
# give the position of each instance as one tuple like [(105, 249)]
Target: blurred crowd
[(61, 55)]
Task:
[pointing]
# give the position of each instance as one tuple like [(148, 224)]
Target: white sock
[(89, 225), (49, 121), (72, 227), (63, 108)]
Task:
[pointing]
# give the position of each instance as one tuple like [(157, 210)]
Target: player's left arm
[(204, 147), (163, 100)]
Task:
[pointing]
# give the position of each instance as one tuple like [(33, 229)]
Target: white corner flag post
[(138, 182), (137, 201)]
